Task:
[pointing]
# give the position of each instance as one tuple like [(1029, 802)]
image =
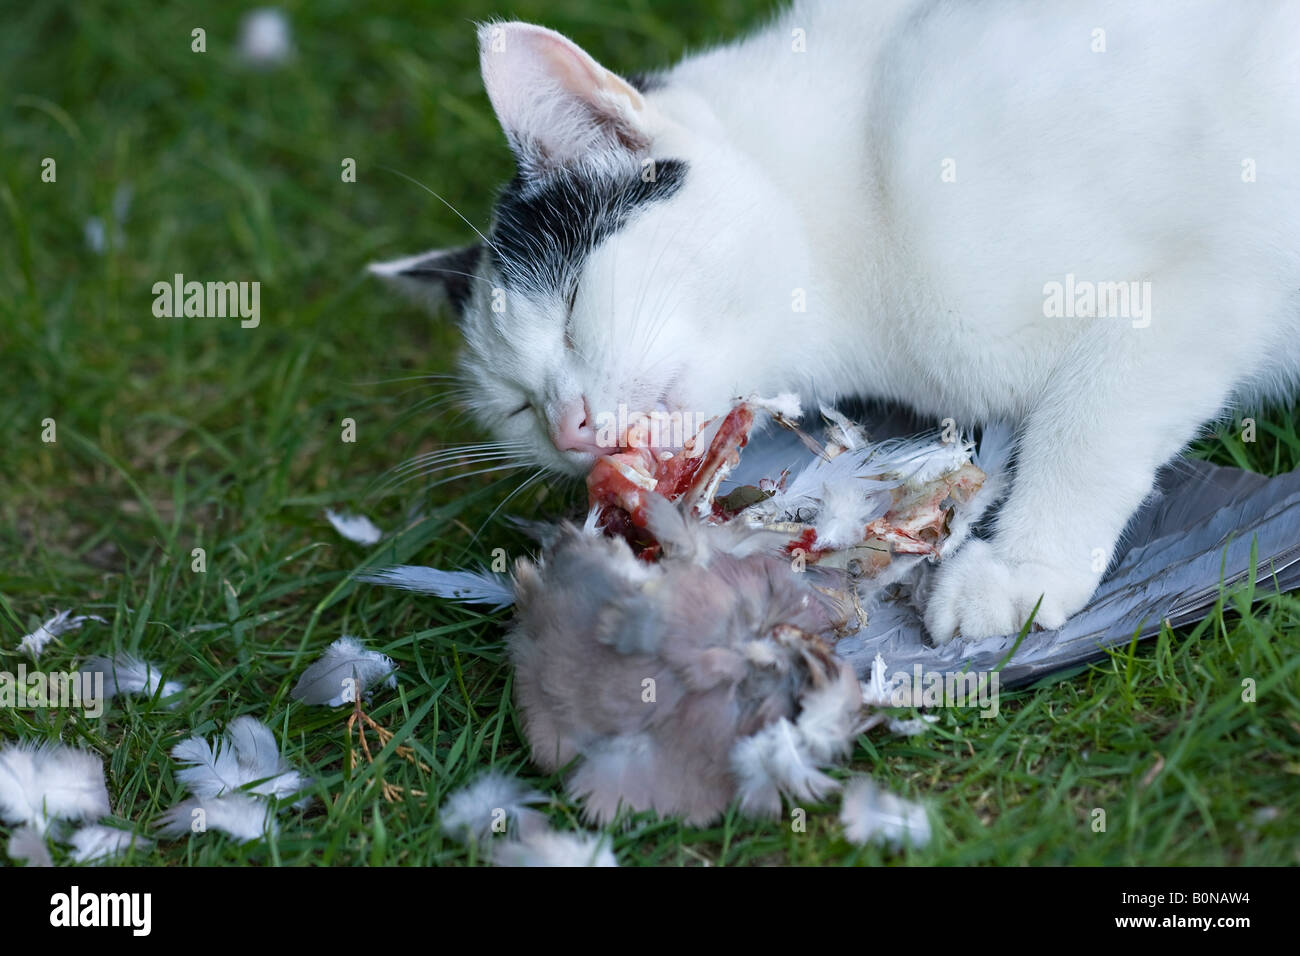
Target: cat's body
[(911, 200)]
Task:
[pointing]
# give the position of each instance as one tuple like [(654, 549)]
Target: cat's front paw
[(981, 593)]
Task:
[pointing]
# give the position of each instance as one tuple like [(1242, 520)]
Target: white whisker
[(527, 482), (397, 172)]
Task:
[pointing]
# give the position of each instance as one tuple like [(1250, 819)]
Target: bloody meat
[(619, 485)]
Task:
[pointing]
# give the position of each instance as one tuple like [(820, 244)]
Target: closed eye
[(521, 409), (568, 317)]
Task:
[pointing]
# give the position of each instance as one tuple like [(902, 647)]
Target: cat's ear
[(443, 275), (555, 103)]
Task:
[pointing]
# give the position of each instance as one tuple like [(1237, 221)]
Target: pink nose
[(572, 429)]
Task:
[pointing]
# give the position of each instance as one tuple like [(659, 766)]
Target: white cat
[(1083, 217)]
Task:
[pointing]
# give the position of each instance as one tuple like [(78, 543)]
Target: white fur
[(817, 177)]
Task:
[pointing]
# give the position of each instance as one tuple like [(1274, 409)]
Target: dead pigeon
[(683, 684), (677, 649)]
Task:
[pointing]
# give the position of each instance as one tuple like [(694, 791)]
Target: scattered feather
[(124, 674), (842, 434), (876, 691), (547, 847), (43, 782), (870, 814), (493, 803), (98, 843), (356, 528), (97, 235), (773, 762), (27, 844), (62, 622), (846, 508), (912, 727), (498, 810), (828, 718), (94, 232), (879, 692), (247, 760), (344, 669), (242, 815), (472, 587), (785, 758), (265, 38), (1265, 815)]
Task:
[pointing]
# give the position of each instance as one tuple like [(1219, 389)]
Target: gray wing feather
[(471, 587), (1193, 536)]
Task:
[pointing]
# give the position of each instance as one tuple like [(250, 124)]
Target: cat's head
[(639, 262)]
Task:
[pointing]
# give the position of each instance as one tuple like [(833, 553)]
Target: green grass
[(179, 434)]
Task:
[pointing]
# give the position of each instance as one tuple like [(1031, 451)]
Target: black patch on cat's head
[(545, 228), (453, 269), (443, 275)]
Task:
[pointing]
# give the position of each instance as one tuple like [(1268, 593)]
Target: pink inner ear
[(572, 68), (530, 72), (582, 76)]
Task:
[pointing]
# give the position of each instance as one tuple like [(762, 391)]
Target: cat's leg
[(1111, 416)]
